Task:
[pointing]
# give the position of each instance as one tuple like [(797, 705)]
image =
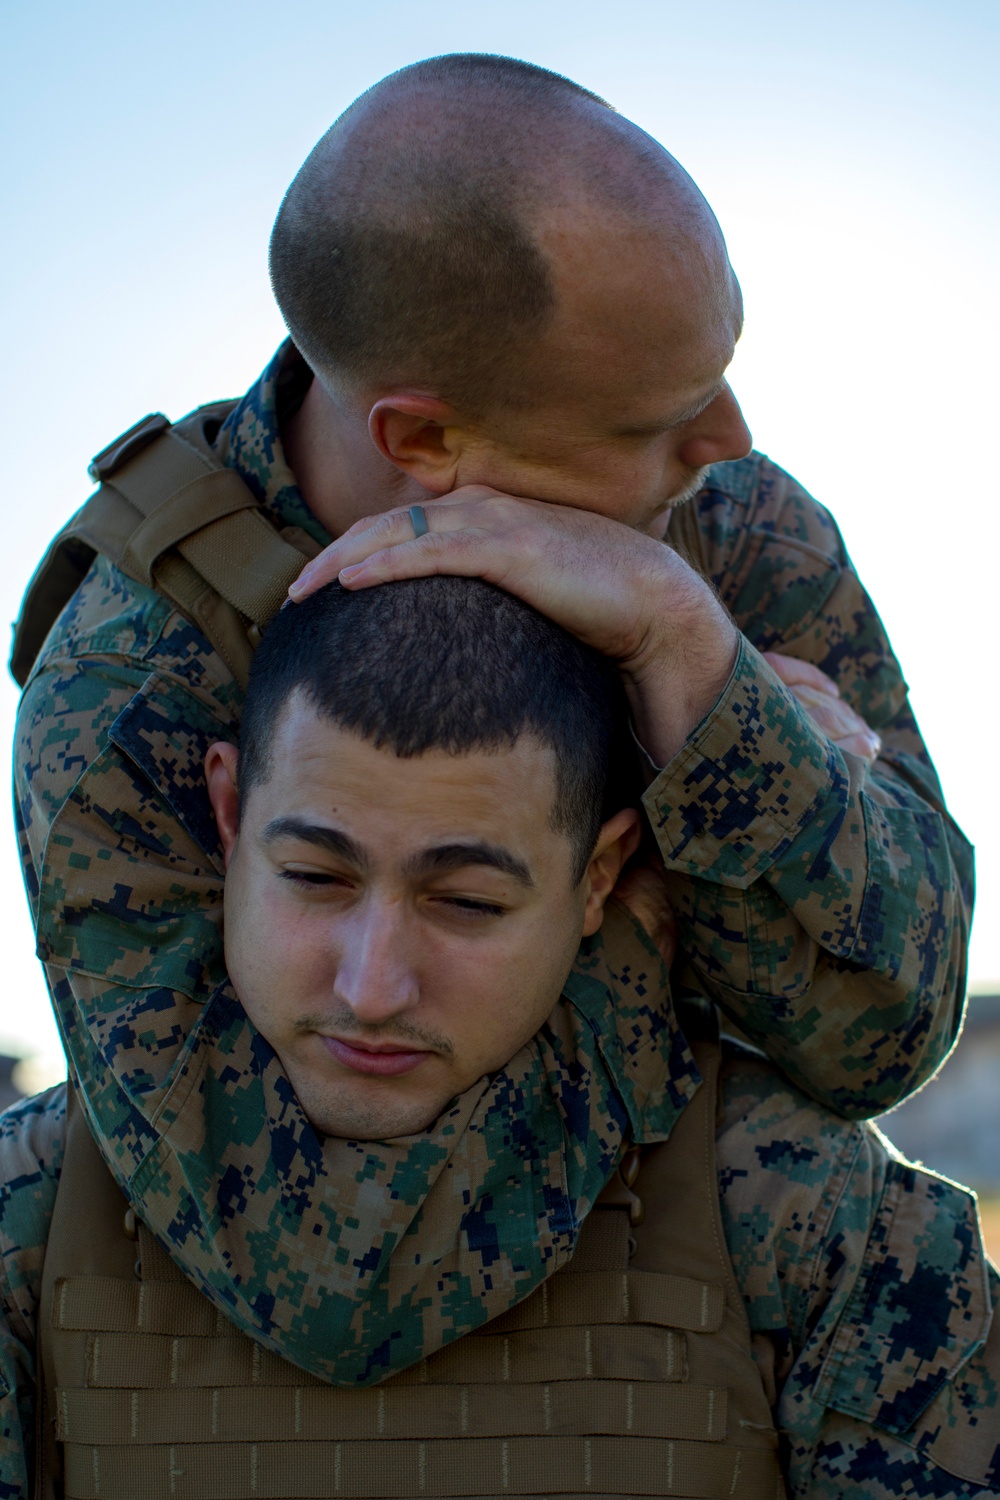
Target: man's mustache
[(344, 1023), (691, 488)]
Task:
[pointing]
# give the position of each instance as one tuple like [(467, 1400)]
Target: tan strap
[(107, 1302), (149, 1361), (203, 501), (587, 1299), (189, 501), (632, 1297), (297, 1414), (473, 1467)]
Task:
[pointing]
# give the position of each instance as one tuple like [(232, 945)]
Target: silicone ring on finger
[(420, 526)]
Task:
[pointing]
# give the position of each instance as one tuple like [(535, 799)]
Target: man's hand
[(621, 591), (819, 697), (641, 889)]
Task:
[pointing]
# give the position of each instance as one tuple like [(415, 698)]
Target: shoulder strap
[(174, 518)]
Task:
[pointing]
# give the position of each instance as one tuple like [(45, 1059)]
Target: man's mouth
[(382, 1061)]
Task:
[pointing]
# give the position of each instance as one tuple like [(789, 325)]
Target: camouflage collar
[(250, 441), (644, 1050)]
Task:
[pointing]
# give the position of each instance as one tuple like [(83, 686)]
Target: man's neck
[(340, 472)]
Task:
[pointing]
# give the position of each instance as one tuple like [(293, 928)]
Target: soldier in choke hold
[(422, 833)]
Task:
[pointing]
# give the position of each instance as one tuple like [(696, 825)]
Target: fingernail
[(298, 585), (346, 574)]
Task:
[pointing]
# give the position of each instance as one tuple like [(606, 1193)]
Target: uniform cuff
[(753, 774)]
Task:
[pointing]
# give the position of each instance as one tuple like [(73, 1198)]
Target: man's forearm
[(824, 903)]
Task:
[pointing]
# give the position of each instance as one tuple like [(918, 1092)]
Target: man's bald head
[(418, 245)]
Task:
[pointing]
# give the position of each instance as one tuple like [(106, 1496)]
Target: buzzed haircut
[(450, 664), (402, 258)]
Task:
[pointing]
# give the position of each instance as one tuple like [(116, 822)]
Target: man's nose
[(376, 975), (718, 434)]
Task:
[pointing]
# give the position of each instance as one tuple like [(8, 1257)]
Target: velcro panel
[(615, 1298), (613, 1353), (246, 561), (205, 499), (229, 1414), (473, 1467)]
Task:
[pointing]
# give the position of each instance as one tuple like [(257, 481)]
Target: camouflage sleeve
[(31, 1147), (334, 1255), (824, 904), (869, 1296)]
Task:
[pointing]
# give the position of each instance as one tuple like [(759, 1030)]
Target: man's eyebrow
[(678, 419), (697, 407), (445, 858), (324, 837)]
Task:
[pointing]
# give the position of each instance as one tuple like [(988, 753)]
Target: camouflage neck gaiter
[(361, 1258)]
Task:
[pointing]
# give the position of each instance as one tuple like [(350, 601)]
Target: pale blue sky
[(850, 151)]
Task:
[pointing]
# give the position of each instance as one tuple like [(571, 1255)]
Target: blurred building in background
[(9, 1091), (953, 1124)]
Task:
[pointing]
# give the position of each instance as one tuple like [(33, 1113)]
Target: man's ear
[(617, 841), (421, 435), (220, 777)]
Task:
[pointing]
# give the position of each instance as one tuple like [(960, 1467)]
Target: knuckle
[(389, 522), (379, 523), (364, 523)]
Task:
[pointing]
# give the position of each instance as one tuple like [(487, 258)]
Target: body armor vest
[(628, 1373)]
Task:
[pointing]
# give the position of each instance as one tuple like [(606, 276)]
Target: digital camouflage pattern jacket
[(824, 904), (868, 1292)]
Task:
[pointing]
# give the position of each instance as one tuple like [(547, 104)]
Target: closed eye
[(474, 908)]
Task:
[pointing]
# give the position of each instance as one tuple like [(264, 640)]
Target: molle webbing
[(174, 518), (629, 1373)]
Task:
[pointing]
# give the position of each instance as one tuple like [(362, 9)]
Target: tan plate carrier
[(629, 1373), (171, 516)]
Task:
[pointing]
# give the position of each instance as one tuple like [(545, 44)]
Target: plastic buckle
[(126, 446)]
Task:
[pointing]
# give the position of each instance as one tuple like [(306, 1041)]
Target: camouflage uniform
[(823, 904), (865, 1280)]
